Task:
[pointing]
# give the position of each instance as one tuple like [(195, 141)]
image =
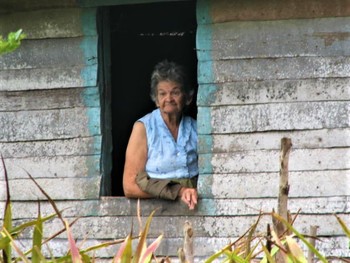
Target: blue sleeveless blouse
[(167, 158)]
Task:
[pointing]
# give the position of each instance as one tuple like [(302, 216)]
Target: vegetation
[(248, 248), (9, 234), (12, 42)]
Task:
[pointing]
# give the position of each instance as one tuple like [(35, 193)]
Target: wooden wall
[(267, 70), (49, 110)]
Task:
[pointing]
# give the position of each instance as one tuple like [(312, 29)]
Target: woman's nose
[(169, 97)]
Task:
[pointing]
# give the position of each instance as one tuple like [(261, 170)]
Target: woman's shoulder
[(146, 118), (190, 120)]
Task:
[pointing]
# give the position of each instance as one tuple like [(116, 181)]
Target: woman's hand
[(189, 196)]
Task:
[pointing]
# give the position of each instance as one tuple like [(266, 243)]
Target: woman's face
[(170, 99)]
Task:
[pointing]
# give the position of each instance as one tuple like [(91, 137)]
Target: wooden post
[(188, 242), (282, 206), (312, 240)]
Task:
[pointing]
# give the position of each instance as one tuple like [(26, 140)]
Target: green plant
[(9, 234), (143, 253), (12, 42), (252, 246)]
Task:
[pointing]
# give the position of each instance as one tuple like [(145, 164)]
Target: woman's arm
[(135, 161)]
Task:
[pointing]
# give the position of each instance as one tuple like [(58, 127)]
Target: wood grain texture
[(303, 184), (50, 148), (121, 207), (58, 188), (277, 117), (52, 53), (48, 78), (8, 6), (273, 69), (309, 139), (274, 91), (49, 124), (268, 161), (224, 227), (54, 167), (227, 10), (46, 23), (273, 39), (49, 99)]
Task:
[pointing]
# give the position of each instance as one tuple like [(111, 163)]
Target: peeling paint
[(330, 37), (88, 73)]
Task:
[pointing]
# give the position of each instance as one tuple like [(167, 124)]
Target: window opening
[(140, 36)]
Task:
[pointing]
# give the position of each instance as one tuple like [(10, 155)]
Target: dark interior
[(141, 36)]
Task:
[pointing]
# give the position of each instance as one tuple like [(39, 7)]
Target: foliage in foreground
[(12, 42), (248, 248), (9, 234)]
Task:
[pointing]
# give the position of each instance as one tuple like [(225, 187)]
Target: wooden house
[(265, 70)]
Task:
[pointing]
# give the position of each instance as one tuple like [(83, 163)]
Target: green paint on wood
[(205, 75), (205, 143), (205, 183), (204, 120), (204, 163), (88, 21), (207, 95), (89, 75), (203, 12)]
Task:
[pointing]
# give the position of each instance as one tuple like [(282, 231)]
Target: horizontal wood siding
[(268, 70), (50, 103), (111, 218)]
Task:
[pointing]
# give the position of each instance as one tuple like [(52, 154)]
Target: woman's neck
[(173, 123)]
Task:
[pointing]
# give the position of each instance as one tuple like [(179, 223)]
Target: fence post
[(282, 206), (312, 240)]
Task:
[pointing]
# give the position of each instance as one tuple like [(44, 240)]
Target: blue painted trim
[(207, 95), (204, 120), (88, 21), (203, 12), (205, 143), (205, 76), (89, 74), (204, 163), (205, 190)]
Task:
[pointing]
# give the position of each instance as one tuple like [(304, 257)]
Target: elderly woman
[(161, 158)]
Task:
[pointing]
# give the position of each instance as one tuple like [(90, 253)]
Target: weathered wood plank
[(227, 10), (52, 53), (54, 166), (203, 247), (48, 78), (50, 99), (268, 161), (50, 148), (93, 3), (273, 91), (47, 23), (283, 38), (303, 184), (119, 227), (310, 139), (119, 206), (278, 116), (49, 124), (272, 69), (57, 188), (8, 6)]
